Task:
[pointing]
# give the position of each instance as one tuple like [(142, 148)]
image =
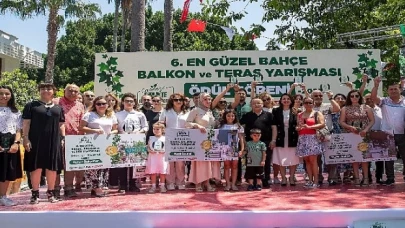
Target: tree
[(71, 8), (25, 90), (126, 6), (138, 25), (84, 38), (168, 29), (117, 4)]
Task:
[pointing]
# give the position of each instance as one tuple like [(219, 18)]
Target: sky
[(32, 32)]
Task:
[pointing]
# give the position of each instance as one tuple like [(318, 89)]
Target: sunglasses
[(354, 96), (101, 104), (178, 100), (129, 101), (222, 102), (308, 103), (318, 95), (156, 101)]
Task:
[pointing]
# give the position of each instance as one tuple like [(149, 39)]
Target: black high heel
[(99, 195)]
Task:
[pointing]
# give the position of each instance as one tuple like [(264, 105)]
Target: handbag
[(323, 134)]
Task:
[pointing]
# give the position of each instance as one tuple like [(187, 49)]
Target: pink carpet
[(275, 198)]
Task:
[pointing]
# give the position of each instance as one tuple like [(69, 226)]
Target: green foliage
[(25, 90), (75, 60)]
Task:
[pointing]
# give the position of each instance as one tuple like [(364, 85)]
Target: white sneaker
[(4, 201), (277, 181), (181, 187), (170, 187), (162, 188), (152, 189)]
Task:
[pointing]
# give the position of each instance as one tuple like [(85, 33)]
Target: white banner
[(84, 152), (192, 145), (210, 71), (349, 148)]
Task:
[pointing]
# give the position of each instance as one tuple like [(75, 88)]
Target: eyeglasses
[(268, 99), (308, 103), (129, 101), (222, 102), (156, 101), (178, 100), (354, 96), (88, 95), (318, 95), (101, 104)]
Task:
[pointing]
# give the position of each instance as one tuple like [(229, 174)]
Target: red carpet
[(276, 198)]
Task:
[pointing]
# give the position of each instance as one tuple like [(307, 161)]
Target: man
[(326, 110), (196, 97), (393, 113), (243, 107), (376, 127), (88, 98), (74, 111), (262, 120), (146, 101)]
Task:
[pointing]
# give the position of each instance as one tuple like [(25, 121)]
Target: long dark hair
[(280, 103), (349, 101), (223, 121), (170, 102), (11, 102)]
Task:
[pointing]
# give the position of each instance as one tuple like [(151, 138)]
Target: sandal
[(227, 188), (292, 181), (356, 182), (234, 188), (209, 188), (198, 188)]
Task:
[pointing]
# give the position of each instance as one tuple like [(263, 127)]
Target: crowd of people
[(271, 136)]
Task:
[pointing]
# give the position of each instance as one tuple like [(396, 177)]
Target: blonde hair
[(159, 125)]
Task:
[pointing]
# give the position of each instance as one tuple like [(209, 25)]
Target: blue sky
[(32, 32)]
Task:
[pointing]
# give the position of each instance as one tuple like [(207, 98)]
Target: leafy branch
[(109, 73), (365, 65)]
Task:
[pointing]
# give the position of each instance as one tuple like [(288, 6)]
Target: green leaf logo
[(110, 75)]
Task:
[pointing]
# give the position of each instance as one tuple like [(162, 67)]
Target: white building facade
[(14, 55)]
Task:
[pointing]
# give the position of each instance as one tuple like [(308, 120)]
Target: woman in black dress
[(10, 135), (44, 133)]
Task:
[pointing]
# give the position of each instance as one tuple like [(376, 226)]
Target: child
[(230, 122), (256, 155), (156, 163)]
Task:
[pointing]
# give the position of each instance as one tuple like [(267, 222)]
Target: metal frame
[(375, 34)]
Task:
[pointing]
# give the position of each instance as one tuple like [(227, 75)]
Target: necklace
[(101, 116)]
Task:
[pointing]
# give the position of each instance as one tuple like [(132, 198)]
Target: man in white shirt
[(393, 113)]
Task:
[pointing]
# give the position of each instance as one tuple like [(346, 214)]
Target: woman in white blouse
[(175, 116), (201, 118), (130, 121), (10, 136), (99, 120)]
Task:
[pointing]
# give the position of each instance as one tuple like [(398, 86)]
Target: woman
[(99, 120), (357, 118), (10, 137), (175, 117), (297, 108), (44, 135), (308, 145), (287, 137), (152, 115), (219, 104), (80, 98), (201, 118), (267, 101), (130, 121), (113, 102)]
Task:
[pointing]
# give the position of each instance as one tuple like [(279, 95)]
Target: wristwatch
[(17, 142)]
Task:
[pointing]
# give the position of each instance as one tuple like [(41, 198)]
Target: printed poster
[(349, 148), (192, 145), (84, 152)]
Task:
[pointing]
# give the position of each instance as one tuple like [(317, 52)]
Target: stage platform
[(337, 206)]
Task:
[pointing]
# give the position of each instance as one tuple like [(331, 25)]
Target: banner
[(192, 145), (210, 71), (84, 152), (349, 148)]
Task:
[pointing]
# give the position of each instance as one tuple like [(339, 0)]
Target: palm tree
[(138, 25), (72, 9), (168, 32), (116, 15), (126, 7)]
